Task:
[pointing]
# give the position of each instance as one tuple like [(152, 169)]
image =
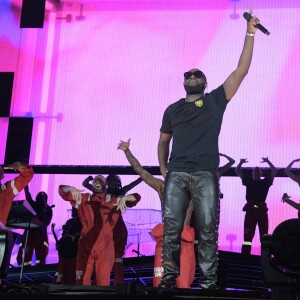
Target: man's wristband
[(250, 33)]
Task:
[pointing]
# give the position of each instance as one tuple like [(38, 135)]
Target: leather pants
[(202, 187)]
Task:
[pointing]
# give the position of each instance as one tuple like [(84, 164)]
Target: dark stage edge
[(239, 275), (131, 290)]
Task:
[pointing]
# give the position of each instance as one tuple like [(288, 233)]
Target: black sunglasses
[(197, 74)]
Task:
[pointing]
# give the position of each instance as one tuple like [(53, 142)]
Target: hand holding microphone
[(15, 166), (248, 17), (10, 168)]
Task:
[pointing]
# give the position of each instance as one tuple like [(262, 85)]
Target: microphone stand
[(25, 247), (137, 274)]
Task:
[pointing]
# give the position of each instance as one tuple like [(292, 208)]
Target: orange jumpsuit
[(11, 189), (95, 245), (187, 257)]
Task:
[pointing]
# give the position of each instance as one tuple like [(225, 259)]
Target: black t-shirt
[(257, 190), (195, 127)]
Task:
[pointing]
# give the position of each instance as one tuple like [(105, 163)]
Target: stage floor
[(132, 290), (239, 276)]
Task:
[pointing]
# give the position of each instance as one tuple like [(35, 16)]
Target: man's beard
[(195, 89)]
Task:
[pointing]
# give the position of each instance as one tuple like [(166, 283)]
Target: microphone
[(10, 168), (247, 16)]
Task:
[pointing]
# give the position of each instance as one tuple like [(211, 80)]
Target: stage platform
[(239, 276)]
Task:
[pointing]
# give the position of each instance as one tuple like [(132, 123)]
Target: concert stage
[(102, 293), (239, 275)]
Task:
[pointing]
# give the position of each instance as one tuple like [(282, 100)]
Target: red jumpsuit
[(187, 257), (10, 190), (95, 245), (120, 233)]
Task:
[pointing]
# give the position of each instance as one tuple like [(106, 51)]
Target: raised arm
[(145, 175), (238, 169), (163, 152), (86, 183), (54, 234), (234, 80), (131, 185), (25, 176), (286, 199), (70, 193), (16, 166), (274, 170), (227, 166), (290, 174), (13, 187), (29, 197)]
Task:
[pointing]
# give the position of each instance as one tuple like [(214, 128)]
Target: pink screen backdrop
[(103, 71)]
